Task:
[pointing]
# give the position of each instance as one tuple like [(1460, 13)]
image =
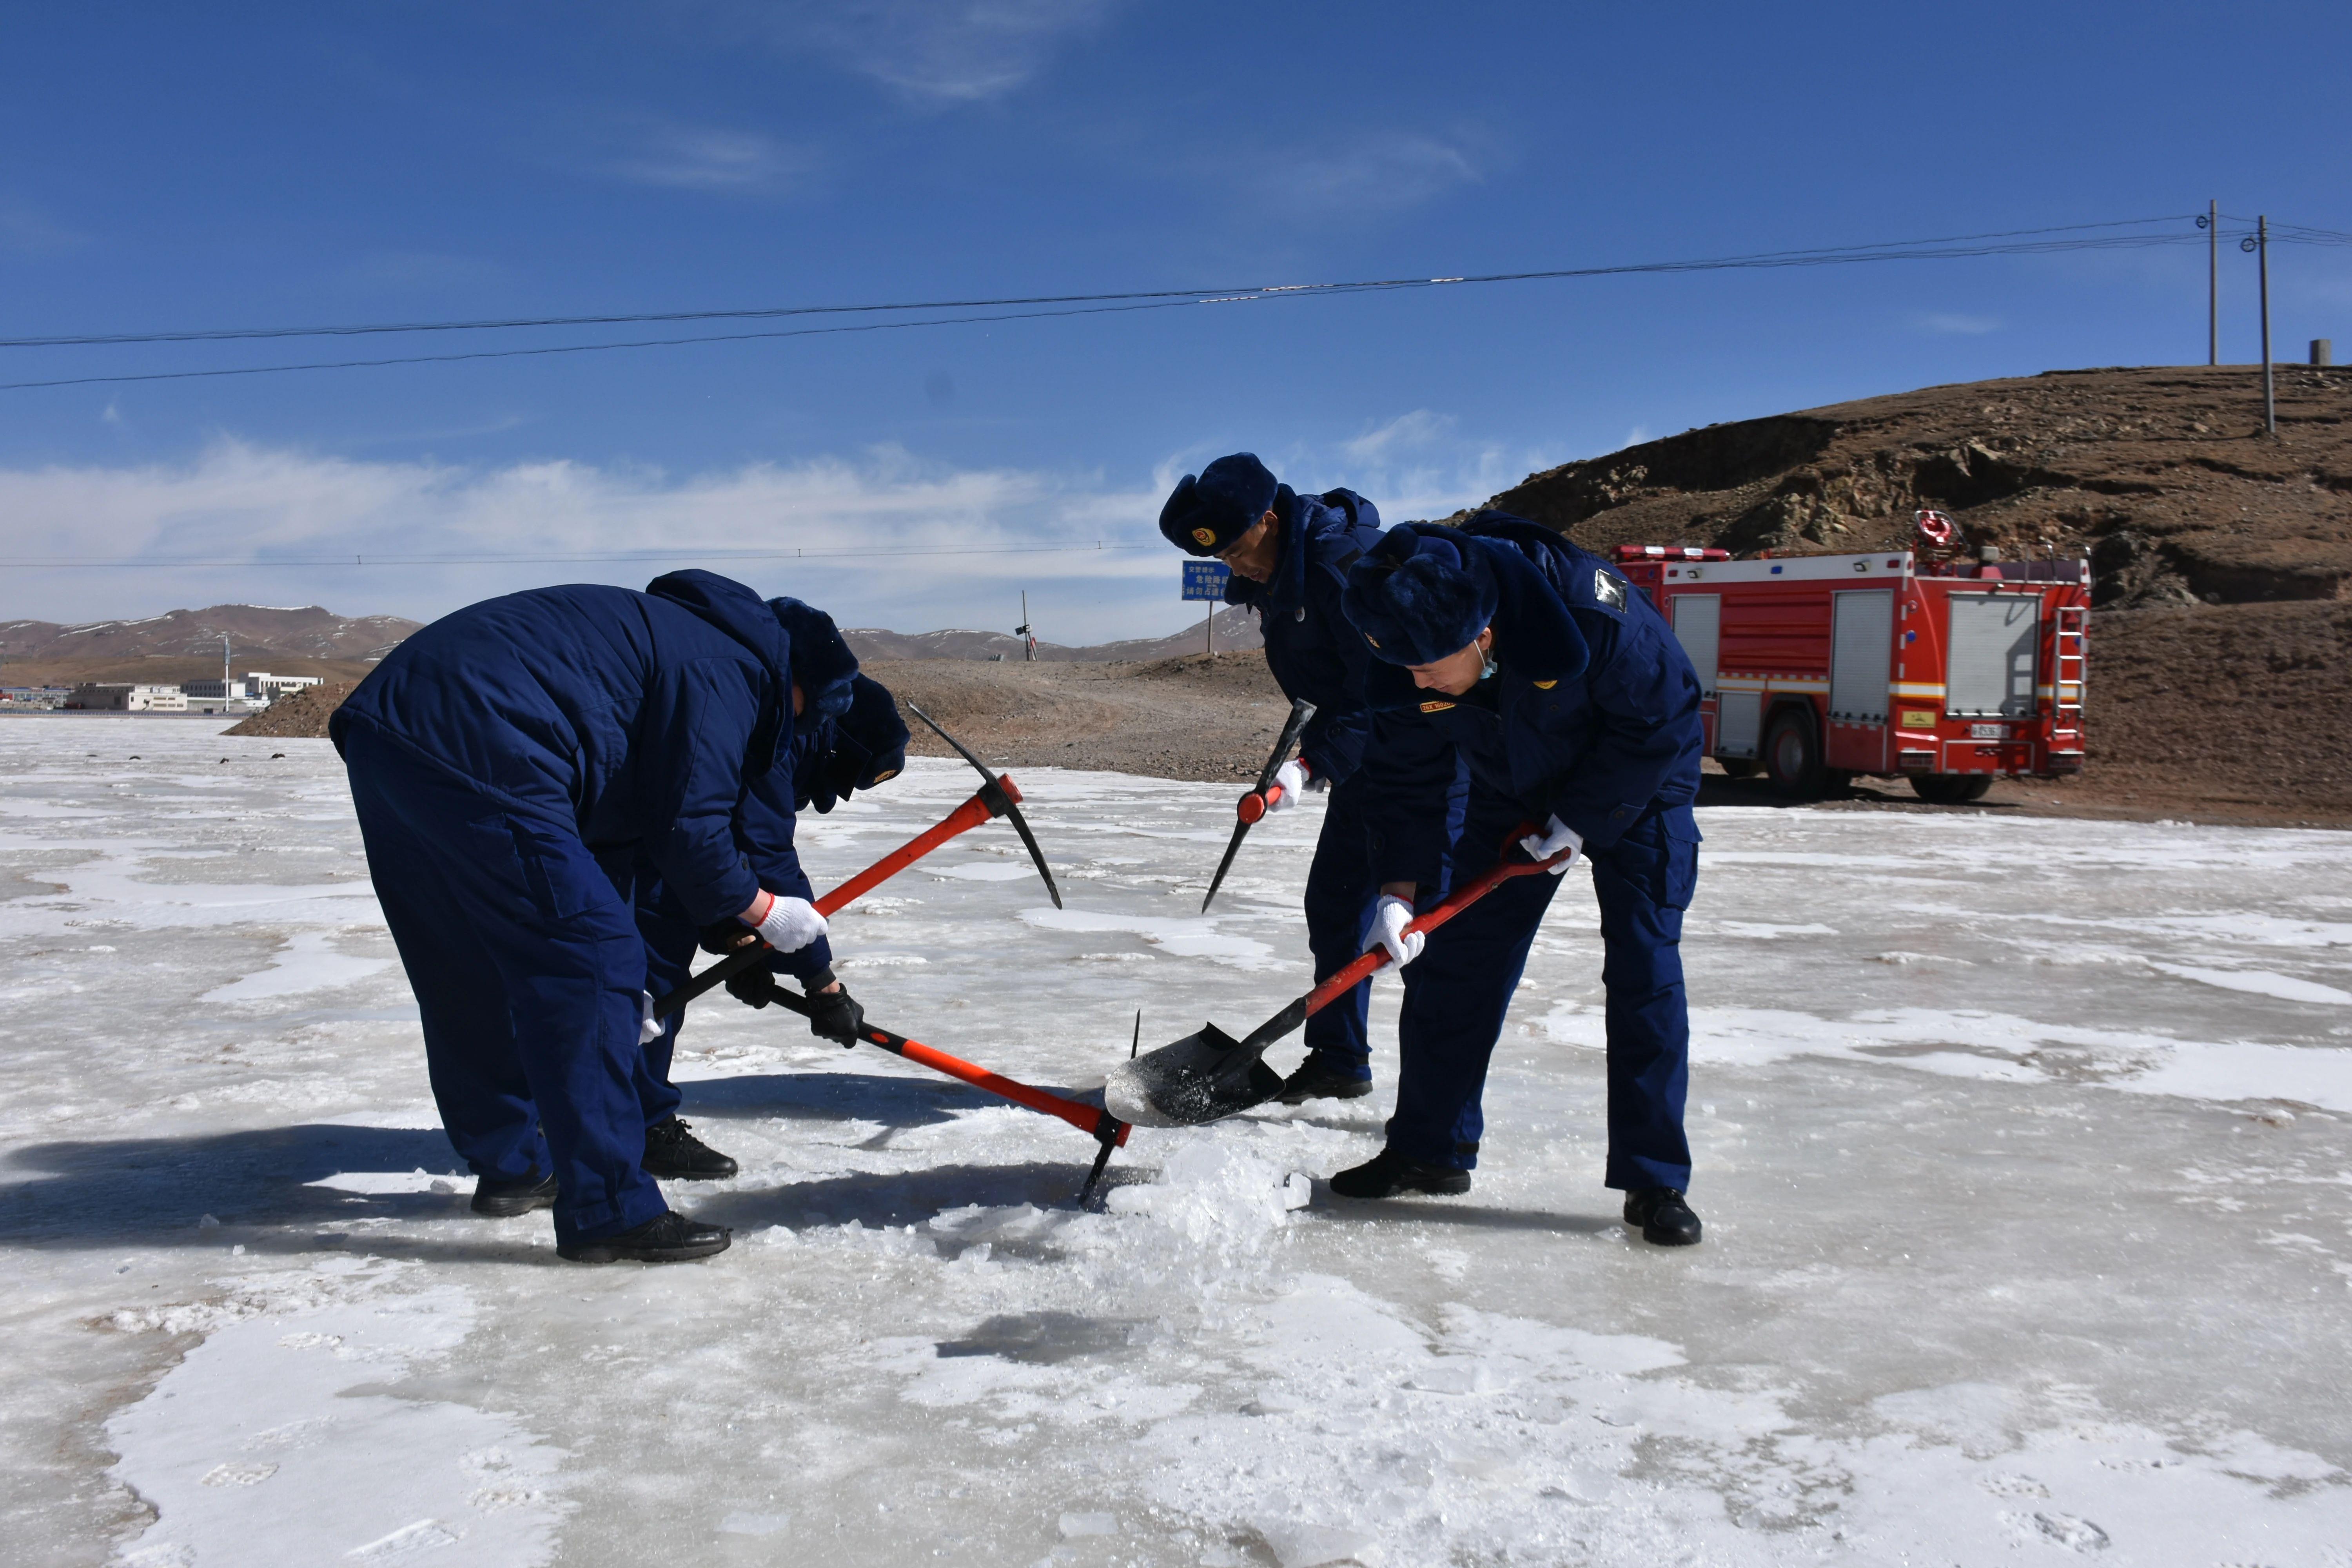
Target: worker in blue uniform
[(1289, 555), (829, 760), (510, 764), (1502, 645)]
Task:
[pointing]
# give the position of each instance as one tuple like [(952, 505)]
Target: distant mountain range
[(186, 645), (1236, 629)]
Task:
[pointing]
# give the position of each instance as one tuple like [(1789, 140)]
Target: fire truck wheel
[(1792, 755), (1739, 767), (1950, 789)]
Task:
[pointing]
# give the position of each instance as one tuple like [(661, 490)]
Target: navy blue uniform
[(763, 833), (511, 764), (1317, 656), (1591, 716)]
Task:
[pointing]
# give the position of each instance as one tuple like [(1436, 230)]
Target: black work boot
[(1318, 1079), (676, 1155), (669, 1237), (505, 1198), (1388, 1173), (1663, 1218)]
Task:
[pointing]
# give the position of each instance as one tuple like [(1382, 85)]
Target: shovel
[(1209, 1076), (1108, 1131), (997, 797)]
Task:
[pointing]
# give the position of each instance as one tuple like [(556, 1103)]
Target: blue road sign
[(1205, 579)]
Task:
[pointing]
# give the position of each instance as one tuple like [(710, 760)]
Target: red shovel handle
[(1461, 898)]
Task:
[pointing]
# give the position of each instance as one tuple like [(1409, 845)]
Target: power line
[(226, 334), (608, 557), (2015, 242)]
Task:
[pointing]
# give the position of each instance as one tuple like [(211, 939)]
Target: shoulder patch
[(1608, 589), (1435, 707), (1546, 685)]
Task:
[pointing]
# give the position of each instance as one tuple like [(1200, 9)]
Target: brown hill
[(186, 645), (2163, 475)]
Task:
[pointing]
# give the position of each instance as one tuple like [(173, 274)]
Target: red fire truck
[(1818, 668)]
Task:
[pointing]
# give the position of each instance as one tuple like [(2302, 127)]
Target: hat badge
[(1204, 536)]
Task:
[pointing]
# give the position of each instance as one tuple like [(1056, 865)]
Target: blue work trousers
[(526, 967), (1341, 893), (1457, 992)]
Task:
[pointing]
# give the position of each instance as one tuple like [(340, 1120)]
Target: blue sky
[(257, 165)]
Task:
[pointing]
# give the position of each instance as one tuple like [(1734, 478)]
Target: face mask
[(1488, 666)]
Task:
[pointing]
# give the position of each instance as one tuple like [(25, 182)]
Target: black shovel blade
[(1201, 1078)]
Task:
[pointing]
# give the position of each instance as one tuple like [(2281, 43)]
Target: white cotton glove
[(1556, 838), (786, 924), (1292, 776), (650, 1028), (1389, 921)]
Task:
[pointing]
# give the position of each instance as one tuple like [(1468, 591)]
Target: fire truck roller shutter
[(1698, 623), (1989, 671), (1862, 643)]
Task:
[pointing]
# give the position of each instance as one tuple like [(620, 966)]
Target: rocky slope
[(2163, 475)]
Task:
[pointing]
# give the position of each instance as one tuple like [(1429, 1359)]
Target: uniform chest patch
[(1546, 685), (1608, 590), (1435, 707)]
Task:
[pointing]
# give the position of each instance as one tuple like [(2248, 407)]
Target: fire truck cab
[(1815, 668)]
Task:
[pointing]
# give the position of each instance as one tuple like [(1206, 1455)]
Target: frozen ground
[(2023, 1150)]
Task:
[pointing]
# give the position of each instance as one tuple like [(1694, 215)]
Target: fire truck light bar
[(1669, 552)]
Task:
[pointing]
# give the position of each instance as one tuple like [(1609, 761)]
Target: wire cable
[(228, 334), (1916, 250)]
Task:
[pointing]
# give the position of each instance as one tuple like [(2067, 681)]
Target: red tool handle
[(964, 819), (1257, 803), (1356, 973), (1087, 1118)]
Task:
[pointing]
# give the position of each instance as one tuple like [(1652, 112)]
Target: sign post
[(1206, 580)]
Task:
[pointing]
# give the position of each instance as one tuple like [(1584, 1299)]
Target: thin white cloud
[(710, 158), (27, 231), (1952, 323), (1376, 171), (244, 503), (1416, 431), (940, 52)]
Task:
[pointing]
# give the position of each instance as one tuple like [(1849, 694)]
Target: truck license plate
[(1988, 732)]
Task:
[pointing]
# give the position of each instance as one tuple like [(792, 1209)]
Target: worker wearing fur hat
[(1502, 645), (1290, 555), (832, 757)]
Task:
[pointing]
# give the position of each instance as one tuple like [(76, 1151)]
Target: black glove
[(836, 1015), (754, 987), (724, 937)]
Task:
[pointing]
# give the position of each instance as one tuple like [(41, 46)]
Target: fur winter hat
[(1207, 513), (1418, 597)]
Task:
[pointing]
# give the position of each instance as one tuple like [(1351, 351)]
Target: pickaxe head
[(1001, 803)]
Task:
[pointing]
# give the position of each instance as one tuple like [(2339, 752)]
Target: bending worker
[(510, 764), (830, 758), (1290, 555), (1576, 711)]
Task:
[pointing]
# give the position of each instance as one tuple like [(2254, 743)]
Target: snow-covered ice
[(2022, 1146)]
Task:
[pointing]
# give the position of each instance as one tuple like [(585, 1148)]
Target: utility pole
[(225, 691), (2263, 257), (1213, 628), (2212, 282)]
